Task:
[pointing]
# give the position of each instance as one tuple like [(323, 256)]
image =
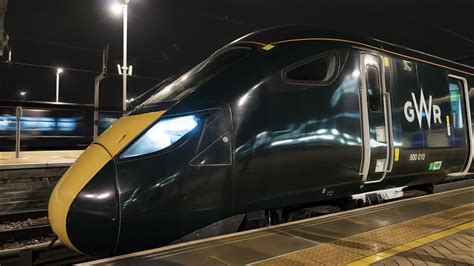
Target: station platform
[(437, 229), (38, 159)]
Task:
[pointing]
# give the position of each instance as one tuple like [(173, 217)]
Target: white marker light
[(59, 71)]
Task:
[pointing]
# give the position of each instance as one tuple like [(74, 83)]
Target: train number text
[(417, 157)]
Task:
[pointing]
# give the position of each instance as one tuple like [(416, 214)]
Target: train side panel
[(298, 142), (430, 127)]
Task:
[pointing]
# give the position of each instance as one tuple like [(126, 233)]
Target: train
[(274, 121), (52, 126)]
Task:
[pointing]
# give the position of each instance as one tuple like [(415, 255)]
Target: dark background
[(167, 37)]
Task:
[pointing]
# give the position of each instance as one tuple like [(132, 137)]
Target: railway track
[(25, 240), (22, 216), (25, 233), (41, 254), (19, 229)]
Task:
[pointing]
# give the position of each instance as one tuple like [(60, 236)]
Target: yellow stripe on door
[(397, 154)]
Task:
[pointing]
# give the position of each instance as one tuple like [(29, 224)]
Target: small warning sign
[(437, 165)]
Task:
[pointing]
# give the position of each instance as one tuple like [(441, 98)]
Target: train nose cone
[(93, 221), (83, 208)]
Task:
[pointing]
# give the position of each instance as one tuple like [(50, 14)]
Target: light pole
[(124, 68), (58, 73)]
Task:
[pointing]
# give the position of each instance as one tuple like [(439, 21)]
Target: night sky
[(167, 37)]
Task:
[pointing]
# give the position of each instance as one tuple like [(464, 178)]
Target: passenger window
[(373, 89), (455, 101), (317, 71)]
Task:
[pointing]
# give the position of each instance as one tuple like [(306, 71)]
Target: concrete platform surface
[(38, 159), (376, 234)]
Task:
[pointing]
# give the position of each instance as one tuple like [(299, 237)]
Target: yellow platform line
[(411, 245)]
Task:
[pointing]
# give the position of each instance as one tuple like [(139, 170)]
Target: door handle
[(389, 131)]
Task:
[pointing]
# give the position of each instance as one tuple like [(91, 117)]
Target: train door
[(459, 121), (376, 120)]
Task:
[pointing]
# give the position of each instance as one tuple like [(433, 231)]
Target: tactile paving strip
[(413, 245), (457, 249), (346, 250)]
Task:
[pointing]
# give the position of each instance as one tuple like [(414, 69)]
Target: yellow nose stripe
[(126, 129), (94, 158), (72, 182)]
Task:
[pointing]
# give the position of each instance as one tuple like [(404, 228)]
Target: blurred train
[(273, 122), (52, 126)]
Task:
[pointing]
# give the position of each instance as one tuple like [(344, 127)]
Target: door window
[(373, 89), (455, 101)]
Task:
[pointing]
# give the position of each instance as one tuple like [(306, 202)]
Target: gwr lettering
[(414, 110)]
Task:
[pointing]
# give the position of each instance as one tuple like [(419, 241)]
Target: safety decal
[(268, 47), (386, 61), (379, 165), (435, 165), (448, 125), (397, 154), (407, 65)]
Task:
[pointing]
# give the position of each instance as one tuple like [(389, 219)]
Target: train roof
[(293, 33)]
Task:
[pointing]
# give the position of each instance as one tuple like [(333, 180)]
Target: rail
[(21, 216), (26, 233), (18, 227), (31, 244), (42, 254)]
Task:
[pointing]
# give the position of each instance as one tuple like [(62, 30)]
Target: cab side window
[(312, 71)]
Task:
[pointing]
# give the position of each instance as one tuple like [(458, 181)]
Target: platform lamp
[(122, 8), (58, 73), (23, 95)]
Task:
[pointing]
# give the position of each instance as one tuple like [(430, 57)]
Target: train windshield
[(195, 77)]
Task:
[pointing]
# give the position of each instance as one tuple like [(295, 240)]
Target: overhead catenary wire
[(456, 34), (226, 19), (75, 70), (90, 50)]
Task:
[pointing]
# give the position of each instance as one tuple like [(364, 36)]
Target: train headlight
[(161, 135)]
